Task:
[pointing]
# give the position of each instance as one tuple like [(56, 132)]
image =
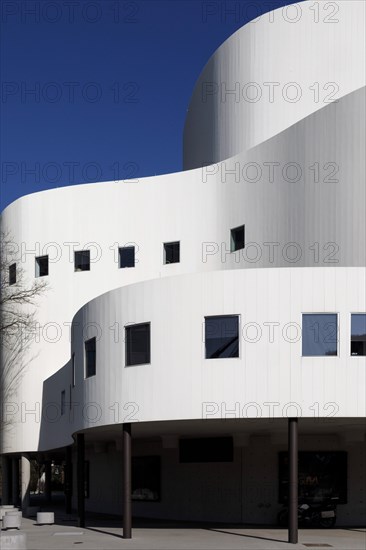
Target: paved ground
[(106, 534)]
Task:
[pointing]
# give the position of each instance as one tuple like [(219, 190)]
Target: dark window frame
[(63, 402), (229, 316), (12, 274), (360, 341), (328, 336), (86, 358), (128, 329), (329, 469), (81, 268), (173, 252), (39, 266), (235, 243), (121, 249)]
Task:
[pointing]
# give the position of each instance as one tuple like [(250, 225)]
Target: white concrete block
[(45, 518), (4, 509), (12, 520)]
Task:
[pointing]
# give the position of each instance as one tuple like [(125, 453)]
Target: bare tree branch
[(17, 321)]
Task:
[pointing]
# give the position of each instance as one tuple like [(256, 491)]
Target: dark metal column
[(80, 443), (15, 481), (48, 480), (127, 515), (68, 480), (293, 480), (6, 479)]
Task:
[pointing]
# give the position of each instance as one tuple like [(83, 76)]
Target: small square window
[(172, 253), (138, 344), (82, 260), (63, 402), (319, 334), (12, 274), (222, 336), (126, 256), (41, 266), (237, 241), (90, 357), (358, 334)]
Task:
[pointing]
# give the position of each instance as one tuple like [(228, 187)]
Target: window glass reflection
[(319, 334), (127, 256), (222, 336), (358, 334), (90, 357), (138, 344)]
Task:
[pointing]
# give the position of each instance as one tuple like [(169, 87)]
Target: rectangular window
[(358, 334), (319, 334), (82, 260), (41, 266), (126, 256), (207, 449), (12, 274), (73, 372), (322, 475), (222, 336), (138, 344), (237, 240), (146, 478), (63, 402), (90, 357), (172, 253)]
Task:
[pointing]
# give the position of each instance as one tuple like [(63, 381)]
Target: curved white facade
[(180, 384), (271, 74), (297, 183)]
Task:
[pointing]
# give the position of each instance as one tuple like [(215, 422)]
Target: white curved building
[(207, 307)]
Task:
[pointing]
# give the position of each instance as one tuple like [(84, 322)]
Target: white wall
[(293, 51), (199, 207), (180, 381)]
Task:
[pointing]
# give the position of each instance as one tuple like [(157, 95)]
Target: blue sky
[(95, 90)]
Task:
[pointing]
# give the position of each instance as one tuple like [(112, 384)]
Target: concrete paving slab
[(109, 537)]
